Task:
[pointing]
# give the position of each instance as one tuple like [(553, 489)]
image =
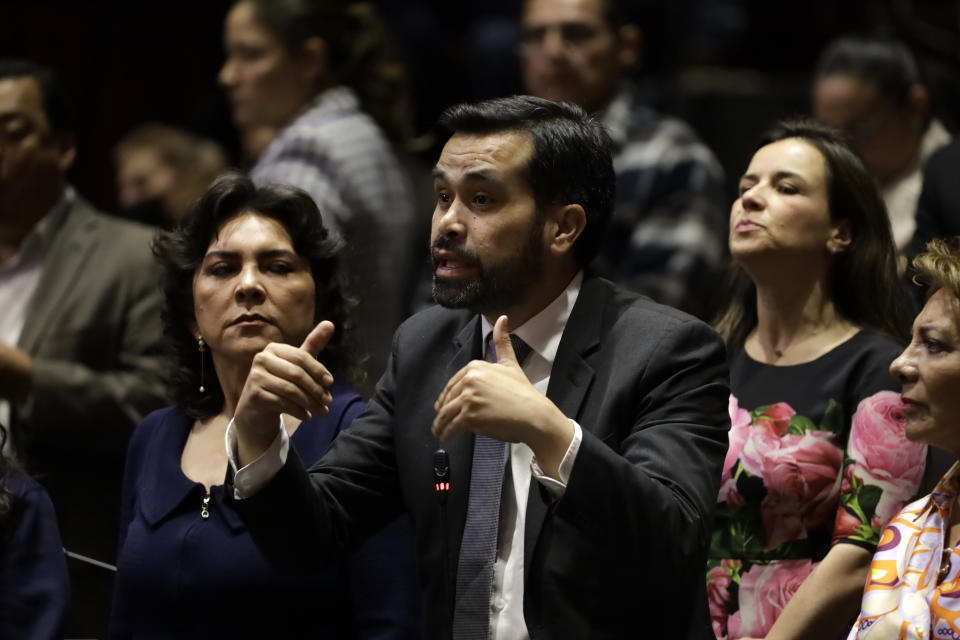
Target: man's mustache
[(444, 243)]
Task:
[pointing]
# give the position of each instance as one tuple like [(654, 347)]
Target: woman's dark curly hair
[(8, 501), (181, 252)]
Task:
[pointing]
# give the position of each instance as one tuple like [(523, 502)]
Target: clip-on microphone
[(441, 475), (441, 485)]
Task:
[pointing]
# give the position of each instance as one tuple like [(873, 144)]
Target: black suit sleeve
[(662, 479), (938, 208), (643, 504), (305, 520)]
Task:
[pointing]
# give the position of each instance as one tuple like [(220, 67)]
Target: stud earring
[(201, 347)]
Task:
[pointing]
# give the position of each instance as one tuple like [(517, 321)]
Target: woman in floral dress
[(818, 460)]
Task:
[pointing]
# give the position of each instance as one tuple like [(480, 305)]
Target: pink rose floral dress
[(817, 457)]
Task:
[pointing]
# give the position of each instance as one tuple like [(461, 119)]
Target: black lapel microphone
[(441, 475), (441, 485)]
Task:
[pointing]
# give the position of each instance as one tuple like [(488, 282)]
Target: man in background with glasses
[(667, 237), (871, 88)]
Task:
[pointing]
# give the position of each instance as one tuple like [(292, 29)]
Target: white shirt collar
[(40, 237), (543, 331)]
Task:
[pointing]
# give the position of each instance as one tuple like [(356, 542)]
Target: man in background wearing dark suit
[(598, 517), (79, 330)]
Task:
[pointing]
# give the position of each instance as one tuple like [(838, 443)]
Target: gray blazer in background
[(93, 330)]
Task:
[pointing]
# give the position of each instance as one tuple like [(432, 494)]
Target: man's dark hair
[(616, 13), (571, 161), (56, 105), (885, 62), (181, 252)]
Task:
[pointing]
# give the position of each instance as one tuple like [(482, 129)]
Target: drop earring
[(201, 347)]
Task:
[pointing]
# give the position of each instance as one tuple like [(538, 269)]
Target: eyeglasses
[(573, 36), (865, 131)]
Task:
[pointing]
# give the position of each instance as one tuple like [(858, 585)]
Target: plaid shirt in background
[(336, 152), (668, 235)]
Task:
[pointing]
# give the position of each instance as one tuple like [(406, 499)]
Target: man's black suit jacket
[(938, 209), (622, 553)]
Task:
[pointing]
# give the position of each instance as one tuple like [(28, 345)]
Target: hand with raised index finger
[(282, 379)]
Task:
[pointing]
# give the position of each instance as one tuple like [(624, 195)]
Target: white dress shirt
[(542, 333), (901, 195)]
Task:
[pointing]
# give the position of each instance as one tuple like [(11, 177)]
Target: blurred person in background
[(666, 238), (80, 360), (247, 267), (938, 210), (871, 88), (161, 169), (818, 461), (322, 75), (915, 573)]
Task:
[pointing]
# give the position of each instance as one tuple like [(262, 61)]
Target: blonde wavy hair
[(938, 267)]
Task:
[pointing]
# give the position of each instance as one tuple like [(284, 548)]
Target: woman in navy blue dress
[(248, 267), (34, 588)]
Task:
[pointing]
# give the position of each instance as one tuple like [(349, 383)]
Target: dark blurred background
[(729, 67)]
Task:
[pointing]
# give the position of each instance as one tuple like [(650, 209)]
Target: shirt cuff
[(250, 479), (554, 487)]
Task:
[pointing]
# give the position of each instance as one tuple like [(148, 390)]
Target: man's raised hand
[(497, 400), (506, 356), (282, 379)]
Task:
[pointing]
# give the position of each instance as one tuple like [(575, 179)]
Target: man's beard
[(492, 289)]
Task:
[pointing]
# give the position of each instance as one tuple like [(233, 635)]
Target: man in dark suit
[(938, 210), (616, 418), (80, 330)]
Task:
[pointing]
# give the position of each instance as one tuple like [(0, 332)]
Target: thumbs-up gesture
[(503, 347), (282, 379), (495, 399)]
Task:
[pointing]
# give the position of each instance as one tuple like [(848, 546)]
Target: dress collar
[(163, 487), (945, 493)]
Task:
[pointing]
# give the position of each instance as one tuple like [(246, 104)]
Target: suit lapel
[(570, 379), (73, 245)]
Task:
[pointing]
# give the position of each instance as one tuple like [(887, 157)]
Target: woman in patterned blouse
[(913, 589)]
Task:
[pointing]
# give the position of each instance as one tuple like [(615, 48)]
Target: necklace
[(831, 336), (778, 353), (947, 549), (945, 559), (794, 342), (944, 565)]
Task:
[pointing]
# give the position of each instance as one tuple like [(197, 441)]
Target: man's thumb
[(316, 341), (502, 344)]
